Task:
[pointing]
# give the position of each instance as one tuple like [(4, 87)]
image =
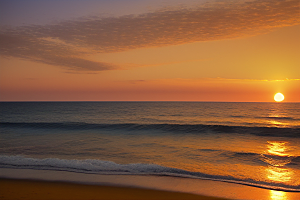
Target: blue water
[(246, 143)]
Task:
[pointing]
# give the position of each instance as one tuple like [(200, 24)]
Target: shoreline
[(206, 188)]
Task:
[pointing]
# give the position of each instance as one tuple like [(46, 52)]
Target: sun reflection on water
[(277, 148), (278, 174), (278, 116), (277, 154), (277, 123), (277, 195), (277, 157)]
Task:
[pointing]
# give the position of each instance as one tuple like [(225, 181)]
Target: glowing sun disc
[(278, 97)]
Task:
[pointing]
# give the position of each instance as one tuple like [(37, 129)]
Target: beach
[(46, 184)]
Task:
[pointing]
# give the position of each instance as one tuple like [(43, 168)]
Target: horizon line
[(70, 101)]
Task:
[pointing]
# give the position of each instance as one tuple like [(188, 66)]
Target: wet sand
[(32, 189)]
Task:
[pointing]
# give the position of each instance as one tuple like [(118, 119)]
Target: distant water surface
[(247, 143)]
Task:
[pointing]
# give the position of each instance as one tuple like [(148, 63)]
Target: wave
[(265, 159), (92, 166), (174, 128)]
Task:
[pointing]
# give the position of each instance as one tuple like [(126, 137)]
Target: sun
[(278, 97)]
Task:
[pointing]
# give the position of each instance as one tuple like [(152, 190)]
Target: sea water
[(254, 144)]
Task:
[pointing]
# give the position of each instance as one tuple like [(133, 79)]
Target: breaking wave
[(92, 166)]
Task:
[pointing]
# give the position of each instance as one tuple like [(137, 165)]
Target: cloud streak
[(67, 43)]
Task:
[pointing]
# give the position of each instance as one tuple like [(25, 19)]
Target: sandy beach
[(32, 189), (45, 184)]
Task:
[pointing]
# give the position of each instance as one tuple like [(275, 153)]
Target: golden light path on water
[(277, 148), (278, 195), (277, 157)]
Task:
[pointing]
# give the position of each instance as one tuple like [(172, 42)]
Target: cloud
[(31, 47), (218, 79), (67, 43), (248, 80)]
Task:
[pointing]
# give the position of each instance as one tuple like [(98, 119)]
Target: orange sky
[(185, 51)]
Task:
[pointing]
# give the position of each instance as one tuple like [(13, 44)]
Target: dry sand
[(31, 190)]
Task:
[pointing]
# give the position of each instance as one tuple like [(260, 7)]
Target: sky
[(149, 50)]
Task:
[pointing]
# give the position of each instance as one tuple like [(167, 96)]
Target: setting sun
[(278, 97)]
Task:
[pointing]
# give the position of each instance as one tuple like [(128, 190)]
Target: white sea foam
[(92, 166)]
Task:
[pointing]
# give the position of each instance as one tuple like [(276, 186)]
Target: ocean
[(256, 144)]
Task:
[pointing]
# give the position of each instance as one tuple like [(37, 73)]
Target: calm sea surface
[(247, 143)]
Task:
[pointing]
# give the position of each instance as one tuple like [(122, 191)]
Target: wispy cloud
[(65, 44), (179, 82), (257, 80)]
